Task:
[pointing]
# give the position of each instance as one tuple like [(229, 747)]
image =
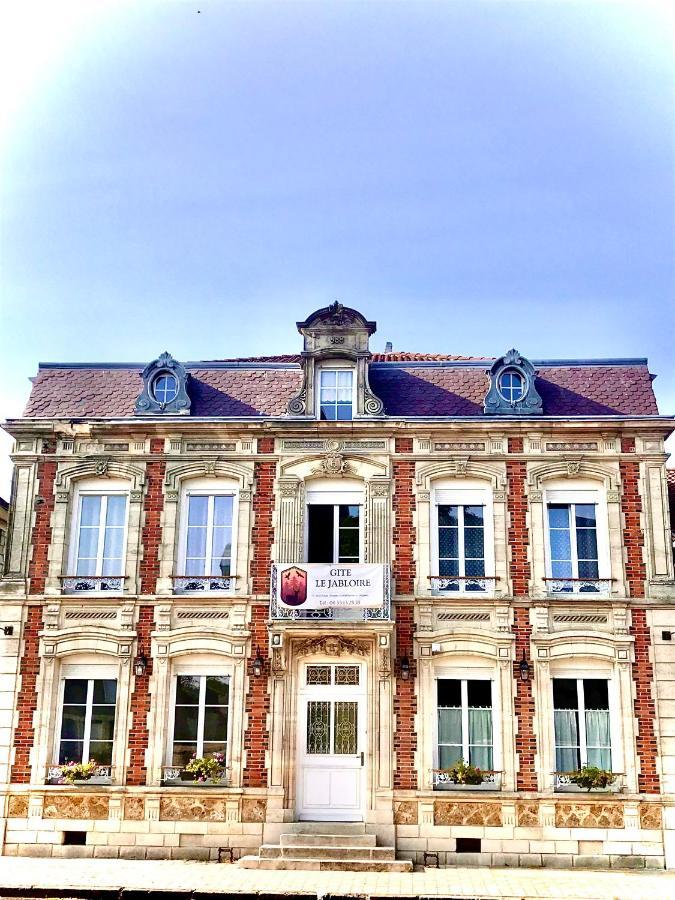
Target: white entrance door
[(331, 742)]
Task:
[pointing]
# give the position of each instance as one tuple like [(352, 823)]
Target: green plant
[(464, 773), (590, 777), (72, 771), (207, 768)]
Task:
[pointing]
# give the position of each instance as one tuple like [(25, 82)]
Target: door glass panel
[(346, 674), (318, 674), (345, 726), (318, 727)]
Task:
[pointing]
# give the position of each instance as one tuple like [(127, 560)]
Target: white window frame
[(335, 366), (208, 488), (328, 496), (97, 489), (89, 674), (469, 494), (464, 676), (580, 494), (581, 711), (202, 672)]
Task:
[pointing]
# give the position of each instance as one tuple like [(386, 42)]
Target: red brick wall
[(518, 536), (140, 701), (266, 445), (405, 703), (633, 538), (643, 674), (262, 533), (42, 529), (256, 736), (27, 698), (526, 742), (404, 533), (152, 525)]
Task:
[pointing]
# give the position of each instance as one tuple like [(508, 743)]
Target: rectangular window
[(464, 722), (200, 717), (335, 394), (461, 546), (581, 723), (573, 544), (208, 537), (88, 720), (333, 533), (101, 534)]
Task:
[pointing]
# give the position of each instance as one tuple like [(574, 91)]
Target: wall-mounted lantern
[(524, 669), (405, 668), (140, 665), (258, 663)]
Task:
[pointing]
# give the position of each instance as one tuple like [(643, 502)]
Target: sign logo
[(293, 586)]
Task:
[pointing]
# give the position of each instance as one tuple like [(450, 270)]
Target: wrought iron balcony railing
[(196, 584), (441, 781), (592, 586), (76, 584), (442, 585), (100, 775)]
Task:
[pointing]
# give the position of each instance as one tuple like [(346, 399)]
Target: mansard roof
[(409, 384)]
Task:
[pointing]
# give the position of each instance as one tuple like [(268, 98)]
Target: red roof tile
[(414, 390)]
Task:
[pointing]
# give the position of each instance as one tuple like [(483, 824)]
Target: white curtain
[(449, 737), (480, 738), (566, 740), (598, 738)]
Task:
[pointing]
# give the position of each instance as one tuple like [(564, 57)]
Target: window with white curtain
[(336, 394), (576, 542), (208, 534), (464, 710), (582, 723), (99, 535), (462, 540)]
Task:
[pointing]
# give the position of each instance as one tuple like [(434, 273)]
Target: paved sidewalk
[(102, 875)]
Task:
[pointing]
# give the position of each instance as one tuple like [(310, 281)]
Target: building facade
[(356, 581)]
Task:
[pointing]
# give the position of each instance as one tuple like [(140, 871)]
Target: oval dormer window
[(511, 386), (165, 387)]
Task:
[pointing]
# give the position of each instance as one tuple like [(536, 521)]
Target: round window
[(165, 387), (511, 386)]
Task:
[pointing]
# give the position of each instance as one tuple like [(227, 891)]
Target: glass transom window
[(100, 537), (88, 720), (200, 717), (511, 386), (165, 387), (336, 394)]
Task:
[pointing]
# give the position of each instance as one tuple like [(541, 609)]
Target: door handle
[(362, 757)]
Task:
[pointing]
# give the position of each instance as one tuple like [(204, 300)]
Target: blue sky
[(472, 175)]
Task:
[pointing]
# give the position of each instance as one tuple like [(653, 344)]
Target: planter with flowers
[(201, 770), (588, 778), (462, 776), (75, 773)]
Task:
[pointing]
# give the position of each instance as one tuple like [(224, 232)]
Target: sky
[(198, 176)]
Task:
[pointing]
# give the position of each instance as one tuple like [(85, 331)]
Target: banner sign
[(318, 586)]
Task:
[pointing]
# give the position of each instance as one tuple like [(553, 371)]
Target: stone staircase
[(321, 846)]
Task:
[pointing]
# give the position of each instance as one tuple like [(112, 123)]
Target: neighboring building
[(345, 571), (4, 524)]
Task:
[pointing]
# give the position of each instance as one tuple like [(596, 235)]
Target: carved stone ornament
[(331, 465), (503, 398), (155, 399), (331, 645), (101, 465), (278, 660), (573, 467)]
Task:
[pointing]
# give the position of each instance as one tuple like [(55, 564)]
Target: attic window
[(165, 387), (336, 393), (511, 385)]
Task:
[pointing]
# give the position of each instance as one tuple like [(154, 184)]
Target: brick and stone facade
[(420, 442)]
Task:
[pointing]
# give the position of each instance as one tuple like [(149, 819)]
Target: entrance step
[(327, 865), (325, 846), (304, 839), (333, 851)]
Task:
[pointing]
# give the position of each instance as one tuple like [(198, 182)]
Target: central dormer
[(335, 360)]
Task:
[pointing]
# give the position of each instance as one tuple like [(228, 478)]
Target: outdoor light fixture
[(8, 630), (258, 663), (405, 668), (524, 669), (140, 664)]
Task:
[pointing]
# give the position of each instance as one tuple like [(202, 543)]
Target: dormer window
[(512, 390), (511, 385), (336, 393), (165, 388)]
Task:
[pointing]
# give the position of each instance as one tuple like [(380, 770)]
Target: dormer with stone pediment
[(335, 361)]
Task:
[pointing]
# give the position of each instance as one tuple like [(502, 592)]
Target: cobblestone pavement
[(175, 875)]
